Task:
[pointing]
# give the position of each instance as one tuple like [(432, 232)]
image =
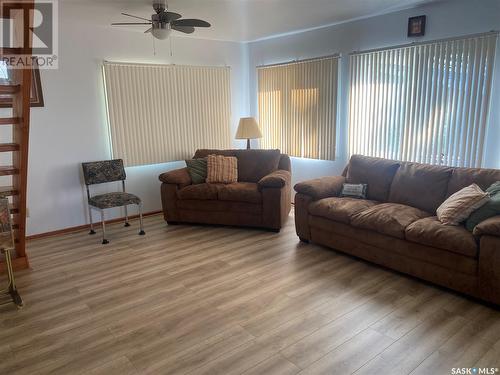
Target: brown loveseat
[(396, 225), (260, 198)]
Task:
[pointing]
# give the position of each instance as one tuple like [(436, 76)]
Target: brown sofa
[(260, 198), (396, 225)]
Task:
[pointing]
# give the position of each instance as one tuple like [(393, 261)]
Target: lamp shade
[(248, 129)]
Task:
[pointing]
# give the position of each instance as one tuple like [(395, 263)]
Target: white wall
[(71, 128), (444, 19)]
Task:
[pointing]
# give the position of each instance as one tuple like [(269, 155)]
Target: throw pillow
[(490, 209), (222, 169), (460, 205), (354, 191), (197, 169)]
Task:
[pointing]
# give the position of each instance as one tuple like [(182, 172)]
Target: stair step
[(9, 89), (6, 191), (10, 121), (8, 170), (6, 147)]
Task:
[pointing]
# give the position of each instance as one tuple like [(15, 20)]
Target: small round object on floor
[(105, 242), (142, 233), (127, 225), (92, 231)]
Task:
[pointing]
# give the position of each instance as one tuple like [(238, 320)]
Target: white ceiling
[(247, 20)]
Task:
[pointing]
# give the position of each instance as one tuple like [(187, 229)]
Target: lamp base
[(248, 143)]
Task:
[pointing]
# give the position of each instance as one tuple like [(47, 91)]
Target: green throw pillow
[(197, 169), (490, 209)]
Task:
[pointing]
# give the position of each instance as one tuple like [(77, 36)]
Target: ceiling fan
[(162, 22)]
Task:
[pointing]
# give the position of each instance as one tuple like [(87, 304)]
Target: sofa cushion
[(255, 164), (218, 207), (200, 192), (420, 185), (388, 218), (240, 192), (252, 164), (463, 177), (375, 172), (339, 209), (431, 232), (384, 247)]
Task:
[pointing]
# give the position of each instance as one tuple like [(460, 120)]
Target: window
[(425, 103), (298, 107), (160, 113), (4, 73)]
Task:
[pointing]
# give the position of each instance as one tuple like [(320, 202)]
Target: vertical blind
[(160, 113), (298, 107), (426, 103)]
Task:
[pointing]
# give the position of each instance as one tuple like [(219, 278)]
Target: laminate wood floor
[(216, 300)]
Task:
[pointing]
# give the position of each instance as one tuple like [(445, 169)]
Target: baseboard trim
[(86, 226)]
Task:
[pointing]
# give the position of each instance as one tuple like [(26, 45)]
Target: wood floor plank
[(407, 353), (340, 330), (119, 366), (350, 356), (218, 300), (466, 347), (277, 365)]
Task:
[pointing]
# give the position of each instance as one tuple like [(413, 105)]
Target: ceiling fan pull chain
[(154, 47), (170, 41)]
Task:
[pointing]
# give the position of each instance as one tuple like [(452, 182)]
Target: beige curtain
[(160, 113), (298, 107), (425, 103)]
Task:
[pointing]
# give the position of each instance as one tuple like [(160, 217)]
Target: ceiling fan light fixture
[(160, 33)]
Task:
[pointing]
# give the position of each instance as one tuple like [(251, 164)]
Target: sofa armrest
[(276, 179), (490, 227), (178, 177), (323, 187)]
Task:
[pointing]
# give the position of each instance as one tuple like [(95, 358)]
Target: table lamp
[(248, 129)]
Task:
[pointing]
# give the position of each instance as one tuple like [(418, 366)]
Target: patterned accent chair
[(6, 245), (105, 171)]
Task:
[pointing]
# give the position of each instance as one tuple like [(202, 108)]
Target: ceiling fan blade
[(131, 15), (130, 23), (171, 16), (184, 29), (190, 22)]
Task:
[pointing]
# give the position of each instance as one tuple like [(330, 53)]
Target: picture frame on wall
[(36, 99), (416, 26)]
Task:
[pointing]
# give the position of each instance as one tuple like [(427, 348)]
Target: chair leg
[(92, 231), (104, 240), (141, 224), (10, 272), (16, 298), (127, 224)]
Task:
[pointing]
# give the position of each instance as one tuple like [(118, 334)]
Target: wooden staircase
[(19, 89)]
